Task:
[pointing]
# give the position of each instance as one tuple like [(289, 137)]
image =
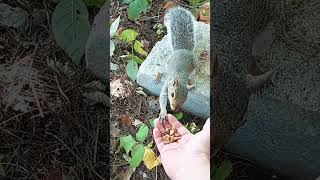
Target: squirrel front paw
[(163, 116)]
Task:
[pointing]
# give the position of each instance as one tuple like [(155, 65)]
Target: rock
[(282, 131), (198, 100), (280, 136)]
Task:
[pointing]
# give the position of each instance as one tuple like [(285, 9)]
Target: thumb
[(203, 139), (205, 133)]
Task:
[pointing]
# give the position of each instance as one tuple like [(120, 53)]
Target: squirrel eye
[(172, 94)]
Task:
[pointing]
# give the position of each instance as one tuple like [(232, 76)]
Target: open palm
[(174, 155)]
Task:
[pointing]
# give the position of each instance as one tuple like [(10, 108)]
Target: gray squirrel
[(180, 27)]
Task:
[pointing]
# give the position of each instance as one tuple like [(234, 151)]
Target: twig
[(75, 155), (60, 90), (37, 101)]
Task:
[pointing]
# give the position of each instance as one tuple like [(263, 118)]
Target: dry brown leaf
[(204, 13), (169, 5), (126, 120)]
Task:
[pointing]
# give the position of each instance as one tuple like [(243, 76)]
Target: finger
[(206, 126), (158, 139), (180, 128), (159, 125)]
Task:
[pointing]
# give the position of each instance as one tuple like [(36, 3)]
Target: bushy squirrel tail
[(180, 27)]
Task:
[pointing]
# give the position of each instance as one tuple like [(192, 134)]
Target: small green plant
[(178, 115), (136, 151), (159, 29), (135, 8), (129, 36)]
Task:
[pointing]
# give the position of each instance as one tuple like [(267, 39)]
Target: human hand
[(189, 157)]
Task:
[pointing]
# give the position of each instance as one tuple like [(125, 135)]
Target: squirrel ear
[(175, 82)]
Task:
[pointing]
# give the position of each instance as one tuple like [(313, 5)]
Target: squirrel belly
[(180, 27)]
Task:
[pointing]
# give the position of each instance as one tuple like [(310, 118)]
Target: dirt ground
[(55, 134), (58, 135)]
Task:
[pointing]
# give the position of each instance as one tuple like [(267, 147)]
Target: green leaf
[(137, 154), (128, 35), (97, 3), (114, 27), (2, 173), (151, 121), (135, 58), (127, 1), (127, 142), (136, 7), (138, 48), (178, 115), (132, 69), (224, 171), (126, 157), (71, 27), (150, 145), (142, 134)]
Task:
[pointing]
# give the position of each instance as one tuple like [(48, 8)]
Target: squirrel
[(236, 74), (180, 27)]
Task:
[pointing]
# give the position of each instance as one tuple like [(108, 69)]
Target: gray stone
[(198, 100), (282, 131), (280, 136)]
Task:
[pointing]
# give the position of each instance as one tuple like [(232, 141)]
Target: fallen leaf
[(204, 13), (126, 120), (149, 159), (169, 5), (138, 47)]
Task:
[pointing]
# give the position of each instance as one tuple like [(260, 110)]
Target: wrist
[(194, 168)]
